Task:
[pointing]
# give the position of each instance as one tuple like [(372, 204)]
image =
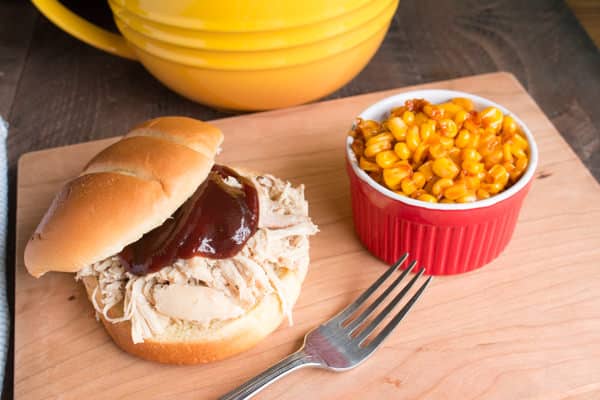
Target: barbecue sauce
[(216, 222)]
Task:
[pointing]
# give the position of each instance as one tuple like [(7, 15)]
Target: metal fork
[(337, 344)]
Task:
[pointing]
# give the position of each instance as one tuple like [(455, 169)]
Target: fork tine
[(388, 309), (359, 320), (396, 320), (346, 312)]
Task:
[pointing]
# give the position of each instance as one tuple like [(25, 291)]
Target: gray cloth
[(4, 312)]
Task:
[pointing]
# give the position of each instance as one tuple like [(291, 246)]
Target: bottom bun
[(188, 343)]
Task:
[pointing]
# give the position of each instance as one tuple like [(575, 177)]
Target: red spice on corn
[(447, 153)]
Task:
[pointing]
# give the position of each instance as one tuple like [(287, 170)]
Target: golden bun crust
[(193, 344), (126, 190)]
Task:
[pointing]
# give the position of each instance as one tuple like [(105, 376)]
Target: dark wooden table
[(55, 90)]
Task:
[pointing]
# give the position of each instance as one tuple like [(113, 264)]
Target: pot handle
[(84, 30)]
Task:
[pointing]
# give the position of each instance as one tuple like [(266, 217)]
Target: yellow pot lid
[(251, 41), (239, 15), (255, 60)]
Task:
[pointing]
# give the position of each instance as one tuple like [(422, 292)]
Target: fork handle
[(291, 363)]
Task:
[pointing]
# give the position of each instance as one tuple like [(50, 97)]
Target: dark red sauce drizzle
[(216, 222)]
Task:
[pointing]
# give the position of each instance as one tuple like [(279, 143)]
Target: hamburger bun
[(126, 190)]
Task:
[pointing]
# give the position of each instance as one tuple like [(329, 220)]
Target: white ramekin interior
[(380, 110)]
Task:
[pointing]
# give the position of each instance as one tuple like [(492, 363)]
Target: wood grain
[(524, 327)]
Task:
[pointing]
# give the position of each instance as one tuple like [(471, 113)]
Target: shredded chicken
[(280, 243)]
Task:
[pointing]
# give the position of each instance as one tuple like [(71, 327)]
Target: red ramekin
[(444, 238)]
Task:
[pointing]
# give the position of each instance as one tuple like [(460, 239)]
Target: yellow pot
[(265, 59), (263, 89), (240, 80), (251, 41)]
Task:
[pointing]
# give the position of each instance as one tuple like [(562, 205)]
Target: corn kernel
[(520, 141), (446, 142), (471, 126), (427, 197), (487, 144), (393, 176), (492, 188), (420, 118), (408, 117), (467, 198), (509, 166), (474, 142), (492, 117), (408, 186), (450, 109), (521, 163), (515, 174), (420, 153), (419, 179), (426, 170), (400, 193), (445, 168), (472, 167), (368, 165), (437, 151), (402, 151), (440, 185), (417, 193), (398, 128), (494, 158), (454, 154), (448, 128), (412, 138), (460, 118), (483, 194), (386, 158), (455, 191), (368, 128), (446, 201), (433, 112), (463, 102), (470, 154), (507, 153), (518, 152), (377, 143), (427, 130), (509, 126), (463, 139), (472, 182), (498, 174)]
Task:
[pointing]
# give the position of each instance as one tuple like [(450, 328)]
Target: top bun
[(126, 190)]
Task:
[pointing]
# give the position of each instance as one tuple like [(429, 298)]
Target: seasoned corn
[(440, 185), (427, 197), (386, 159), (398, 128), (408, 186), (402, 150), (445, 168), (447, 153), (393, 176), (412, 138), (456, 191)]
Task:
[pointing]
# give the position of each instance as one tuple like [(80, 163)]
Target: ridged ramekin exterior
[(443, 241)]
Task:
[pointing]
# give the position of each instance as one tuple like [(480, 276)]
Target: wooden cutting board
[(527, 326)]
